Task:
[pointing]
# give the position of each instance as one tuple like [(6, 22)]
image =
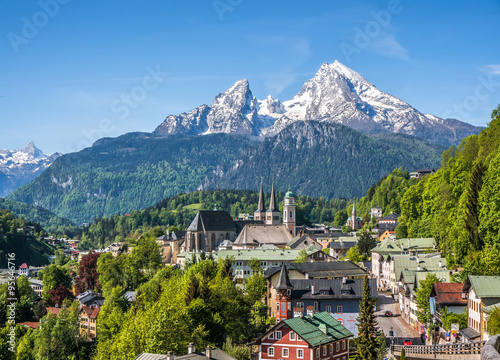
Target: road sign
[(454, 328)]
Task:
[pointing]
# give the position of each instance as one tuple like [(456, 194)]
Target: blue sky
[(73, 71)]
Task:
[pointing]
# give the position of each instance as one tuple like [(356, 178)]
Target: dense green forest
[(27, 248), (130, 172), (460, 204), (329, 160), (137, 170), (36, 214), (181, 209)]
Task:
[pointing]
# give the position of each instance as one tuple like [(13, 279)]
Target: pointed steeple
[(272, 203), (261, 200), (283, 281)]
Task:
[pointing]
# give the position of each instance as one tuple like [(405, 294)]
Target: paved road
[(401, 328)]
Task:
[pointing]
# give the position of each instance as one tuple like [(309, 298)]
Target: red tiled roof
[(449, 294), (298, 309), (31, 324), (23, 266), (310, 307), (53, 310), (91, 312)]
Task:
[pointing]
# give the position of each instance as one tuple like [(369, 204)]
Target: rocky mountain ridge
[(336, 94)]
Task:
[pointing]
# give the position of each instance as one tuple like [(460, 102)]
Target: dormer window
[(324, 292)]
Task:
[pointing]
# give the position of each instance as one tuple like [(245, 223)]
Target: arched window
[(227, 236)]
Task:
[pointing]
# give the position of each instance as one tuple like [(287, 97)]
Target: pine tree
[(367, 326), (473, 207), (403, 354)]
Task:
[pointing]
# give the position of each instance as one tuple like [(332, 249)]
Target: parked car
[(388, 313), (407, 342)]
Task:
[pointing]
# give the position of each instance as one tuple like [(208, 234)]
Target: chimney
[(344, 280), (307, 276), (208, 352), (312, 290), (191, 348), (440, 263), (170, 355)]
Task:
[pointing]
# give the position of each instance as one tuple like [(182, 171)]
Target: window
[(328, 308), (300, 353), (343, 344), (324, 350), (337, 347), (316, 306), (277, 321), (299, 338), (289, 306), (291, 214), (292, 335), (300, 304), (271, 336), (340, 309), (324, 292), (270, 351), (285, 352), (277, 306), (317, 352), (331, 348), (278, 335), (341, 321)]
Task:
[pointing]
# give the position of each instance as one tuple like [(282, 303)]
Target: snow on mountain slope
[(335, 94), (21, 166)]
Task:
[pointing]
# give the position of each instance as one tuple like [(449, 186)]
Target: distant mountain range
[(336, 94), (18, 167), (137, 170), (335, 138)]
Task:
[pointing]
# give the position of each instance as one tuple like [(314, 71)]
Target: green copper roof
[(289, 194), (309, 328), (485, 286), (488, 309)]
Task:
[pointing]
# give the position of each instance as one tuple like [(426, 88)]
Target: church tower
[(289, 213), (354, 216), (283, 296), (273, 215), (260, 213)]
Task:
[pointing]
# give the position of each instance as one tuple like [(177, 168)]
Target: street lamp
[(391, 336)]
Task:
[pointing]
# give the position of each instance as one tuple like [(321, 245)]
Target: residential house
[(409, 284), (312, 337), (375, 212), (208, 354), (88, 321), (340, 297), (303, 242), (90, 298), (171, 245), (384, 234), (37, 286), (326, 238), (420, 173), (449, 296), (389, 221), (340, 248), (483, 292), (24, 269)]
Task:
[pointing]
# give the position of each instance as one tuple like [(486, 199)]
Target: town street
[(401, 329)]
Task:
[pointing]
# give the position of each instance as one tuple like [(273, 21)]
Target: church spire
[(261, 199), (272, 203)]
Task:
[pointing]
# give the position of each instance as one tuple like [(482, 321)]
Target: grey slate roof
[(257, 234), (283, 281), (302, 289), (343, 244), (330, 269), (391, 216), (216, 354), (212, 221)]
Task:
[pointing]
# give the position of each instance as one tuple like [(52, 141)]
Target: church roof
[(212, 221), (272, 203), (260, 207), (258, 234), (289, 194)]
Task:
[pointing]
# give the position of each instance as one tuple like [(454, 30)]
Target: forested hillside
[(330, 160), (26, 248), (47, 219), (180, 210), (460, 204)]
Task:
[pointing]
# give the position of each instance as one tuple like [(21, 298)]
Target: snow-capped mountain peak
[(21, 166), (336, 94)]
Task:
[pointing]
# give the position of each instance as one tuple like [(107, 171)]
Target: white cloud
[(493, 69), (387, 45)]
